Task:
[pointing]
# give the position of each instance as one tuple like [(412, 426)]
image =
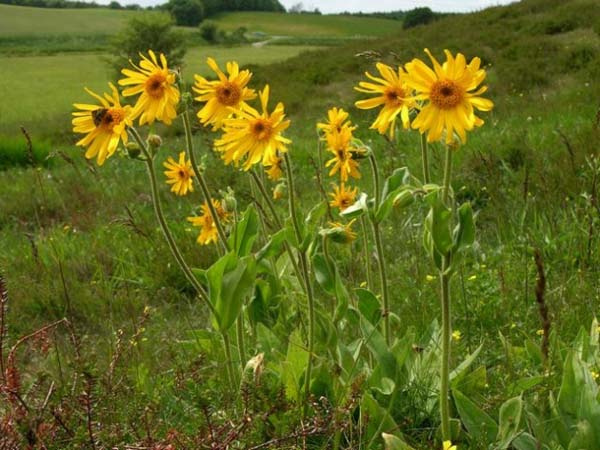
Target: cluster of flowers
[(249, 137)]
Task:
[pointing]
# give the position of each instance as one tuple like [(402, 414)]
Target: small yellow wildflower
[(430, 278), (208, 228), (342, 198), (448, 446), (275, 171), (223, 95), (472, 277), (179, 174), (336, 120), (156, 84), (456, 335), (540, 332), (343, 162)]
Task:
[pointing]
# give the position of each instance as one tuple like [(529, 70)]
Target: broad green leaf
[(458, 374), (378, 347), (359, 208), (584, 437), (525, 441), (464, 232), (394, 443), (385, 386), (440, 227), (323, 273), (378, 418), (398, 178), (510, 419), (477, 422), (245, 232), (316, 214), (274, 246), (526, 383), (294, 366), (369, 305)]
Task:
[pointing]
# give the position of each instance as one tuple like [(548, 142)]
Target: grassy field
[(307, 25), (39, 90), (81, 242)]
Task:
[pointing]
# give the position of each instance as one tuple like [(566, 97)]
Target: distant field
[(20, 20), (40, 89), (307, 25)]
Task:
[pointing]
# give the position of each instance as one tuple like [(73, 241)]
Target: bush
[(154, 32), (209, 31), (418, 16), (186, 12)]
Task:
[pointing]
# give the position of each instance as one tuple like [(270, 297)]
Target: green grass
[(26, 21), (307, 25), (39, 91), (525, 171)]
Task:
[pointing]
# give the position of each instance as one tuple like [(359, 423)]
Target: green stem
[(380, 256), (446, 317), (425, 158), (363, 224), (205, 191), (229, 360), (308, 286), (240, 339), (163, 224)]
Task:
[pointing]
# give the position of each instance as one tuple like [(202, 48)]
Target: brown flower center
[(345, 202), (155, 85), (394, 96), (262, 129), (446, 94), (229, 94), (108, 118)]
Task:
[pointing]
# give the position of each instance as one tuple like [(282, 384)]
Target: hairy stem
[(425, 158)]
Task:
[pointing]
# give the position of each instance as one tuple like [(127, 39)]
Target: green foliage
[(148, 32), (209, 31), (418, 16), (188, 13)]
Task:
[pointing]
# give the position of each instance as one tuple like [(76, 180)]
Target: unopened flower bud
[(404, 199), (279, 191), (133, 150), (154, 141), (229, 201)]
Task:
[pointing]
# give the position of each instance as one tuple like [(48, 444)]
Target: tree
[(186, 12), (418, 16), (152, 31), (115, 5)]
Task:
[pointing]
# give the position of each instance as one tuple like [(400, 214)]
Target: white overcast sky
[(333, 6)]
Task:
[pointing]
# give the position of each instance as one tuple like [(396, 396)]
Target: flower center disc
[(261, 129), (229, 94), (155, 85), (446, 94), (394, 96)]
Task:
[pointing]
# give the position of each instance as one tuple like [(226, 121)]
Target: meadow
[(139, 362)]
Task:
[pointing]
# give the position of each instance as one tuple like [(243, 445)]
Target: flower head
[(179, 174), (103, 124), (274, 170), (223, 95), (451, 96), (336, 120), (448, 446), (254, 137), (340, 144), (342, 198), (392, 93), (208, 228), (340, 233), (156, 84)]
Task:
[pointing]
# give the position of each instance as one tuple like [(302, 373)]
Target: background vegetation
[(79, 242)]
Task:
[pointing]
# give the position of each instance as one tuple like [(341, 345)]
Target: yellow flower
[(208, 228), (448, 446), (341, 233), (340, 145), (456, 335), (274, 170), (252, 136), (156, 84), (342, 198), (391, 91), (222, 95), (179, 174), (104, 125), (430, 277), (335, 121), (451, 97)]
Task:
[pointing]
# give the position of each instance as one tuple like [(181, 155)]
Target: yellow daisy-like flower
[(451, 95), (104, 125), (208, 228), (448, 446), (342, 198), (179, 174), (341, 233), (274, 171), (156, 84), (254, 137), (340, 145), (222, 95), (392, 92), (336, 120)]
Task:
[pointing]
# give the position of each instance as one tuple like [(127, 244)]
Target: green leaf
[(323, 273), (510, 419), (458, 374), (294, 366), (394, 443), (526, 383), (385, 386), (316, 214), (245, 232), (584, 437), (479, 424), (378, 347), (368, 305), (464, 232), (274, 246), (378, 418), (440, 228), (398, 178), (359, 208), (230, 281), (525, 441)]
